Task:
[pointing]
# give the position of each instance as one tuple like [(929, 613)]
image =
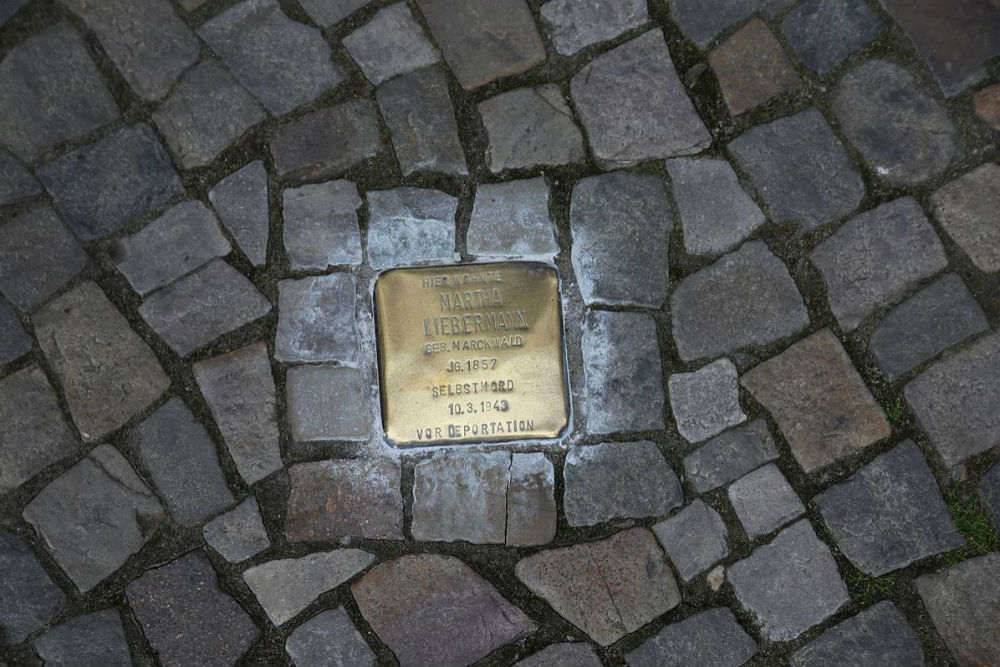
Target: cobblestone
[(619, 350), (752, 68), (745, 298), (703, 20), (14, 340), (326, 403), (621, 225), (38, 256), (146, 40), (410, 226), (202, 306), (93, 640), (618, 480), (511, 220), (730, 455), (576, 25), (239, 533), (16, 184), (707, 401), (656, 120), (205, 113), (240, 199), (327, 142), (390, 43), (715, 212), (30, 597), (182, 462), (328, 12), (434, 610), (418, 111), (899, 129), (530, 127), (317, 320), (800, 170), (964, 604), (285, 64), (33, 434), (876, 257), (563, 655), (890, 513), (789, 584), (483, 40), (183, 239), (878, 635), (608, 588), (764, 501), (819, 401), (107, 372), (364, 496), (321, 225), (531, 503), (694, 539), (459, 496), (712, 638), (824, 33), (937, 317), (102, 187), (94, 516), (187, 618), (239, 390), (50, 92), (954, 38), (957, 401), (964, 206), (328, 638), (286, 587)]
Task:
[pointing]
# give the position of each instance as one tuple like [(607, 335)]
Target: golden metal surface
[(471, 353)]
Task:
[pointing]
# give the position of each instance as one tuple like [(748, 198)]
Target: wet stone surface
[(774, 228)]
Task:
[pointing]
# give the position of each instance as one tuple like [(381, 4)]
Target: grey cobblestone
[(14, 340), (239, 533), (937, 317), (656, 120), (50, 91), (745, 298), (483, 40), (712, 638), (326, 403), (575, 25), (30, 597), (764, 501), (184, 238), (800, 170), (694, 539), (410, 226), (317, 320), (329, 638), (321, 225), (94, 516), (239, 389), (327, 142), (876, 257), (459, 496), (241, 200), (530, 127), (38, 256), (145, 39), (16, 184), (899, 129), (328, 12), (418, 111), (285, 64), (878, 635), (618, 480), (511, 220), (706, 401), (730, 455), (202, 306), (621, 350), (390, 43), (205, 113), (107, 372), (576, 654), (93, 640), (102, 187), (284, 588), (824, 33), (964, 206), (621, 224)]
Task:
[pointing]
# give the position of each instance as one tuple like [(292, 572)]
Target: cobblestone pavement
[(776, 223)]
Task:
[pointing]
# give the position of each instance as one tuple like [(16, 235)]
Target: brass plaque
[(471, 353)]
